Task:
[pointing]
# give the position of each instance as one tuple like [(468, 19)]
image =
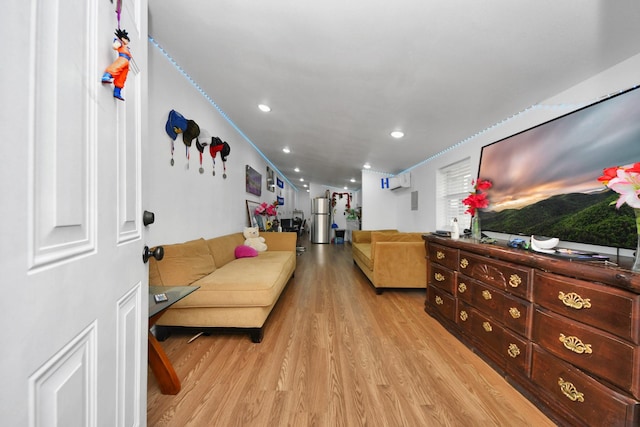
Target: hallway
[(336, 354)]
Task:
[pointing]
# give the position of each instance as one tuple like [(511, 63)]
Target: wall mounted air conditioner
[(400, 181)]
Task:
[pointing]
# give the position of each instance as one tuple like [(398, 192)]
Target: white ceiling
[(341, 75)]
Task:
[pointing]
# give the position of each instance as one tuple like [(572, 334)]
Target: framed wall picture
[(271, 180), (253, 181), (253, 219)]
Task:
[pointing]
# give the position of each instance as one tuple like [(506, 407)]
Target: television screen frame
[(545, 178)]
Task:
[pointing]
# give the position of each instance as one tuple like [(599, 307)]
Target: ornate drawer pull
[(574, 300), (486, 294), (439, 300), (487, 326), (570, 391), (514, 312), (440, 255), (464, 263), (515, 281), (575, 344), (439, 277), (463, 315), (513, 351), (462, 287)]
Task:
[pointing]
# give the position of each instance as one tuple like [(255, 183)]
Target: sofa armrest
[(284, 241), (400, 264)]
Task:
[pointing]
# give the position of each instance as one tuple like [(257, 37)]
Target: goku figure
[(116, 73)]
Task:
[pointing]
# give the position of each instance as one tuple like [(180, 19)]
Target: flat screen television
[(545, 178)]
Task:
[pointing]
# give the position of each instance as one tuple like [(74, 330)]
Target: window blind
[(453, 183)]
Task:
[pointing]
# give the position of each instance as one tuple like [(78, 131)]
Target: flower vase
[(636, 261), (476, 233)]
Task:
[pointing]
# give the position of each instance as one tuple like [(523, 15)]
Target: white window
[(453, 183)]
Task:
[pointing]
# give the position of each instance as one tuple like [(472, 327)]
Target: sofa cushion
[(244, 282), (244, 251), (223, 248), (362, 253), (391, 236), (185, 263)]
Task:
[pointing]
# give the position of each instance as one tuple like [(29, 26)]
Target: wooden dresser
[(564, 333)]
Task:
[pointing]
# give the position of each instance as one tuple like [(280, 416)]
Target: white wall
[(189, 205)]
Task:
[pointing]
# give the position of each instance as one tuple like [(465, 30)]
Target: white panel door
[(73, 306)]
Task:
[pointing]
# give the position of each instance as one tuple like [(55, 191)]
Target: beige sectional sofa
[(234, 293), (390, 259)]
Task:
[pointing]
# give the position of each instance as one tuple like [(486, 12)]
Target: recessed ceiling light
[(264, 108), (397, 134), (305, 185), (286, 150), (297, 169), (301, 179), (352, 180), (346, 188), (367, 166)]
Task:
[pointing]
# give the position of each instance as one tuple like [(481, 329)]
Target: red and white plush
[(253, 239)]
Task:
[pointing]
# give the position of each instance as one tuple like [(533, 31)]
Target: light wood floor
[(336, 354)]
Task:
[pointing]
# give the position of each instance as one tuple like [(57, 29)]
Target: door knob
[(157, 253), (148, 218)]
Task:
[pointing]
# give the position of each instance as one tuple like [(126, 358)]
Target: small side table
[(158, 361)]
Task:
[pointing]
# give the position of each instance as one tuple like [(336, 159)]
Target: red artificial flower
[(608, 174), (477, 200)]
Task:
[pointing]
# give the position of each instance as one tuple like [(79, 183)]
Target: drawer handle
[(574, 300), (439, 300), (487, 326), (439, 277), (440, 255), (513, 351), (515, 281), (463, 315), (464, 263), (570, 391), (462, 287), (575, 344), (486, 295), (514, 312)]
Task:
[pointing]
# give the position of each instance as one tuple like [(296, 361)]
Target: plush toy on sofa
[(252, 239)]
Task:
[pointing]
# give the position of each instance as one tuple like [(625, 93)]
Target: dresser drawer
[(590, 349), (486, 299), (464, 288), (442, 278), (442, 302), (614, 310), (503, 275), (580, 396), (517, 353), (447, 257), (517, 314), (489, 334)]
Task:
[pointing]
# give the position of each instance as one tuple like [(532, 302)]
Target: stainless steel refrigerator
[(321, 220)]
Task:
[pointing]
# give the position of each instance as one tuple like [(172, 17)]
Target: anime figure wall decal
[(116, 73)]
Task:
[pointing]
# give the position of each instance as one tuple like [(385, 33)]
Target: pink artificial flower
[(627, 184)]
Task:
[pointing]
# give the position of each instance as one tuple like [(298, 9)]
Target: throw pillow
[(244, 251)]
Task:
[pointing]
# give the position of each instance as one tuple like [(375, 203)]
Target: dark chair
[(288, 225), (301, 225)]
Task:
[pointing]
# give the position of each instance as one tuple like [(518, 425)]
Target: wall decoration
[(116, 73), (280, 182), (253, 181), (280, 200), (253, 220), (271, 180)]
